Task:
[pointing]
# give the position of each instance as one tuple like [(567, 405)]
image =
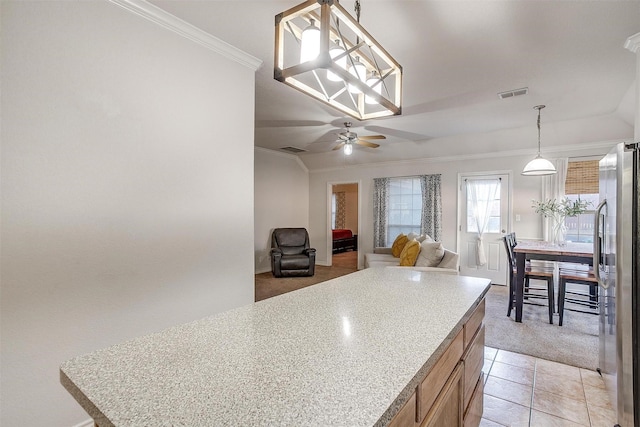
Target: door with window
[(483, 221)]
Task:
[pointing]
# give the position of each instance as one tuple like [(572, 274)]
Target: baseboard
[(268, 270), (86, 423)]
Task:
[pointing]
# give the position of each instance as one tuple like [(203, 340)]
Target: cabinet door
[(473, 361), (434, 382), (406, 417), (447, 409), (473, 416)]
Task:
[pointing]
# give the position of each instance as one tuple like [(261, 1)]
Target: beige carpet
[(574, 343)]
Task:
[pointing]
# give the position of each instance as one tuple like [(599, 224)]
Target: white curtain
[(482, 194), (553, 188)]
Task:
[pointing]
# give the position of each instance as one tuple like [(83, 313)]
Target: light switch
[(517, 218)]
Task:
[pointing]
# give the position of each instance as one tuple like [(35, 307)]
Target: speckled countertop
[(347, 352)]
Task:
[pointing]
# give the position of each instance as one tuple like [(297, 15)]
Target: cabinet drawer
[(447, 409), (473, 323), (474, 412), (473, 361), (406, 417), (433, 383)]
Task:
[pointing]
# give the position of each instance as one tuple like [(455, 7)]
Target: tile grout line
[(533, 390), (585, 398)]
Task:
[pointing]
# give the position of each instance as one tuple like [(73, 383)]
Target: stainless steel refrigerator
[(616, 258)]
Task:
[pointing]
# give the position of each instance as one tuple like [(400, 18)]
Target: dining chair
[(531, 272), (577, 274), (536, 263)]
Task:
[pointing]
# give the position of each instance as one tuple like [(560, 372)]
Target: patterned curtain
[(380, 202), (341, 208), (431, 222)]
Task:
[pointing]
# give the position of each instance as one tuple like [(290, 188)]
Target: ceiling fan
[(348, 138)]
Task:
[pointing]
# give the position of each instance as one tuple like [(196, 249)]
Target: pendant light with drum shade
[(539, 166)]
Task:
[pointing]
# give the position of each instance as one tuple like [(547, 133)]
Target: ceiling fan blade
[(339, 146), (372, 137), (367, 143), (410, 136)]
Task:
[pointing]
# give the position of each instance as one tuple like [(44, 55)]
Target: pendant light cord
[(539, 107), (357, 10), (538, 131)]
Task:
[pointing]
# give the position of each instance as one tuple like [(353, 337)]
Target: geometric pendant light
[(539, 166), (323, 52)]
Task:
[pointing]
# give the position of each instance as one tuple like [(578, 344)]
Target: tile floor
[(525, 391)]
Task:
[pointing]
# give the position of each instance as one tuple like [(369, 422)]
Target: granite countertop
[(349, 351)]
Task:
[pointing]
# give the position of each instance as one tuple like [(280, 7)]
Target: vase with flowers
[(558, 210)]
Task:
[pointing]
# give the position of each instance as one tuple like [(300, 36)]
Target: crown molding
[(480, 156), (633, 43), (170, 22), (285, 155)]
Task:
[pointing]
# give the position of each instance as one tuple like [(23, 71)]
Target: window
[(488, 195), (582, 183), (405, 207)]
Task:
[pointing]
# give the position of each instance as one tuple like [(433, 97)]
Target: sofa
[(383, 257)]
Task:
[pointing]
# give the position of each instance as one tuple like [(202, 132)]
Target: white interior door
[(495, 267)]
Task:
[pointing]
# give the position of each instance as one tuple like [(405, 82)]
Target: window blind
[(582, 177)]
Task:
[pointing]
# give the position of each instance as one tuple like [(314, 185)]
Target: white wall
[(281, 200), (127, 191), (525, 189)]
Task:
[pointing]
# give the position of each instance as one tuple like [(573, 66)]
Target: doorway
[(344, 224), (484, 203)]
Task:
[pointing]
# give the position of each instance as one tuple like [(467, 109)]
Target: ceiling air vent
[(293, 150), (512, 93)]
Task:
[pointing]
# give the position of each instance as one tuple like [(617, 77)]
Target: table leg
[(520, 262)]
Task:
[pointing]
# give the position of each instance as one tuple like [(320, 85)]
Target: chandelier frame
[(331, 16)]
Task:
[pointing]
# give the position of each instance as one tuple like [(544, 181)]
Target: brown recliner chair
[(291, 254)]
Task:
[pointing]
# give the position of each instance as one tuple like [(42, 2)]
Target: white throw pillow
[(412, 236), (425, 238), (430, 255)]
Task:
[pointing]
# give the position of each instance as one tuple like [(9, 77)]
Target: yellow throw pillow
[(398, 245), (410, 253)]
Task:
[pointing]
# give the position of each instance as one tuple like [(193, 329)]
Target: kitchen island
[(382, 346)]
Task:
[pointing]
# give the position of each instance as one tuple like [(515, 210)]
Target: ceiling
[(456, 57)]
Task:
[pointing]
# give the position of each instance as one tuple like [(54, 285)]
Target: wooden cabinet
[(447, 409), (473, 361), (407, 415), (473, 413), (434, 382), (451, 394)]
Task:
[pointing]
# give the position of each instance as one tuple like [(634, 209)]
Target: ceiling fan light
[(359, 71), (375, 83), (348, 149), (310, 42), (337, 50), (539, 166)]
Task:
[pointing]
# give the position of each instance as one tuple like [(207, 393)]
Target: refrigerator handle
[(597, 245)]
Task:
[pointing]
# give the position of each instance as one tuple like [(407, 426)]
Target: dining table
[(576, 252)]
